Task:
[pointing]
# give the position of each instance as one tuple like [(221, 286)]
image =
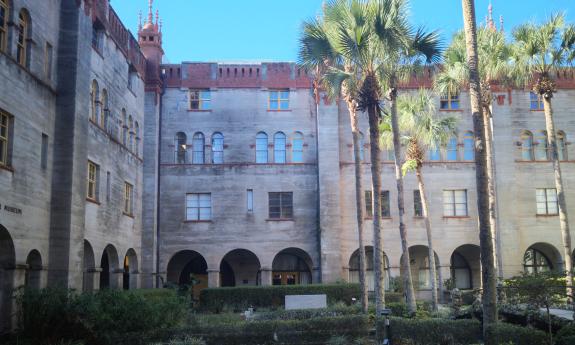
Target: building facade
[(119, 171)]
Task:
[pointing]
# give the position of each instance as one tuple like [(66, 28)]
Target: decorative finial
[(150, 14), (140, 21), (491, 25), (157, 18), (161, 24), (501, 28)]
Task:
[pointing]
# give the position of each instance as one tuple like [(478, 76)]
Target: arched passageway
[(420, 268), (88, 264), (292, 266), (33, 278), (109, 265), (188, 267), (542, 257), (240, 267), (354, 268), (7, 265), (130, 275), (465, 266)]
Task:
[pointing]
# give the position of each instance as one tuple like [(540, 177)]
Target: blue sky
[(264, 30)]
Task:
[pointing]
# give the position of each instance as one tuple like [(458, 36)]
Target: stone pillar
[(116, 278), (443, 273), (316, 275), (134, 280), (92, 279), (213, 278), (18, 280), (266, 276), (345, 272)]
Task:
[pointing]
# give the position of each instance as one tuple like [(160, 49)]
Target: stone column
[(134, 280), (116, 278), (266, 276), (92, 279), (213, 278), (18, 280), (443, 273), (316, 275)]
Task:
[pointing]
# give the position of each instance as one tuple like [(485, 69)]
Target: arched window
[(452, 149), (23, 31), (124, 125), (181, 148), (425, 273), (541, 148), (527, 146), (361, 149), (460, 272), (4, 11), (535, 261), (468, 146), (104, 109), (217, 148), (297, 148), (279, 148), (261, 148), (434, 153), (561, 147), (198, 148), (131, 125), (95, 102), (137, 139)]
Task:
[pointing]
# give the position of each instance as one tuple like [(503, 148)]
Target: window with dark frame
[(44, 152), (455, 203), (200, 99), (281, 205), (368, 204), (92, 184), (547, 203), (449, 101), (417, 205), (5, 138), (385, 209), (536, 101), (199, 207), (3, 24)]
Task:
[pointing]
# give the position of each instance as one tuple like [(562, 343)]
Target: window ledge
[(128, 214), (93, 201), (452, 110), (199, 110), (418, 217), (536, 110), (198, 221), (279, 220), (7, 168), (547, 215), (278, 111), (456, 217)]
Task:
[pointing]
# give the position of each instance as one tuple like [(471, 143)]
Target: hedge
[(307, 331), (504, 333), (273, 297), (566, 336), (434, 331)]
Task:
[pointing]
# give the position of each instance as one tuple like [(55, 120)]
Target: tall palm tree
[(422, 130), (494, 67), (540, 51), (403, 50), (317, 53), (488, 270)]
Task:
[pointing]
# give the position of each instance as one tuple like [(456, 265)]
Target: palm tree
[(540, 51), (402, 51), (317, 53), (494, 67), (422, 130), (489, 298)]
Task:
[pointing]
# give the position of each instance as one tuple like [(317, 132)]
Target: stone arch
[(187, 266), (240, 267), (420, 269), (7, 265), (465, 267), (354, 268), (292, 266), (130, 270), (89, 267), (33, 277), (109, 265), (542, 257)]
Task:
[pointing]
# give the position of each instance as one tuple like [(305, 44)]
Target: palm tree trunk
[(358, 203), (489, 298), (563, 220), (375, 152), (424, 204), (407, 279)]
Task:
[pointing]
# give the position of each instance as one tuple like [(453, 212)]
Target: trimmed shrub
[(434, 331), (304, 314), (566, 336), (240, 298), (518, 335)]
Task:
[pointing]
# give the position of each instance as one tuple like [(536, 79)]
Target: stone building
[(119, 171)]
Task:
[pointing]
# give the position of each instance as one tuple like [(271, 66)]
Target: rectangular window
[(108, 185), (93, 170), (97, 38), (281, 205), (536, 102), (455, 203), (128, 199), (250, 201), (44, 152), (368, 204), (3, 24), (449, 101), (48, 61), (417, 206), (279, 100), (200, 100), (22, 42), (385, 210), (199, 206), (5, 122), (547, 201)]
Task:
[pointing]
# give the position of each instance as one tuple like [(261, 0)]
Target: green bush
[(518, 335), (304, 314), (105, 317), (434, 331), (240, 298), (566, 336)]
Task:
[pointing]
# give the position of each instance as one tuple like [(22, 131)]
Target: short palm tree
[(319, 54), (488, 270), (539, 53), (422, 130), (403, 52)]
